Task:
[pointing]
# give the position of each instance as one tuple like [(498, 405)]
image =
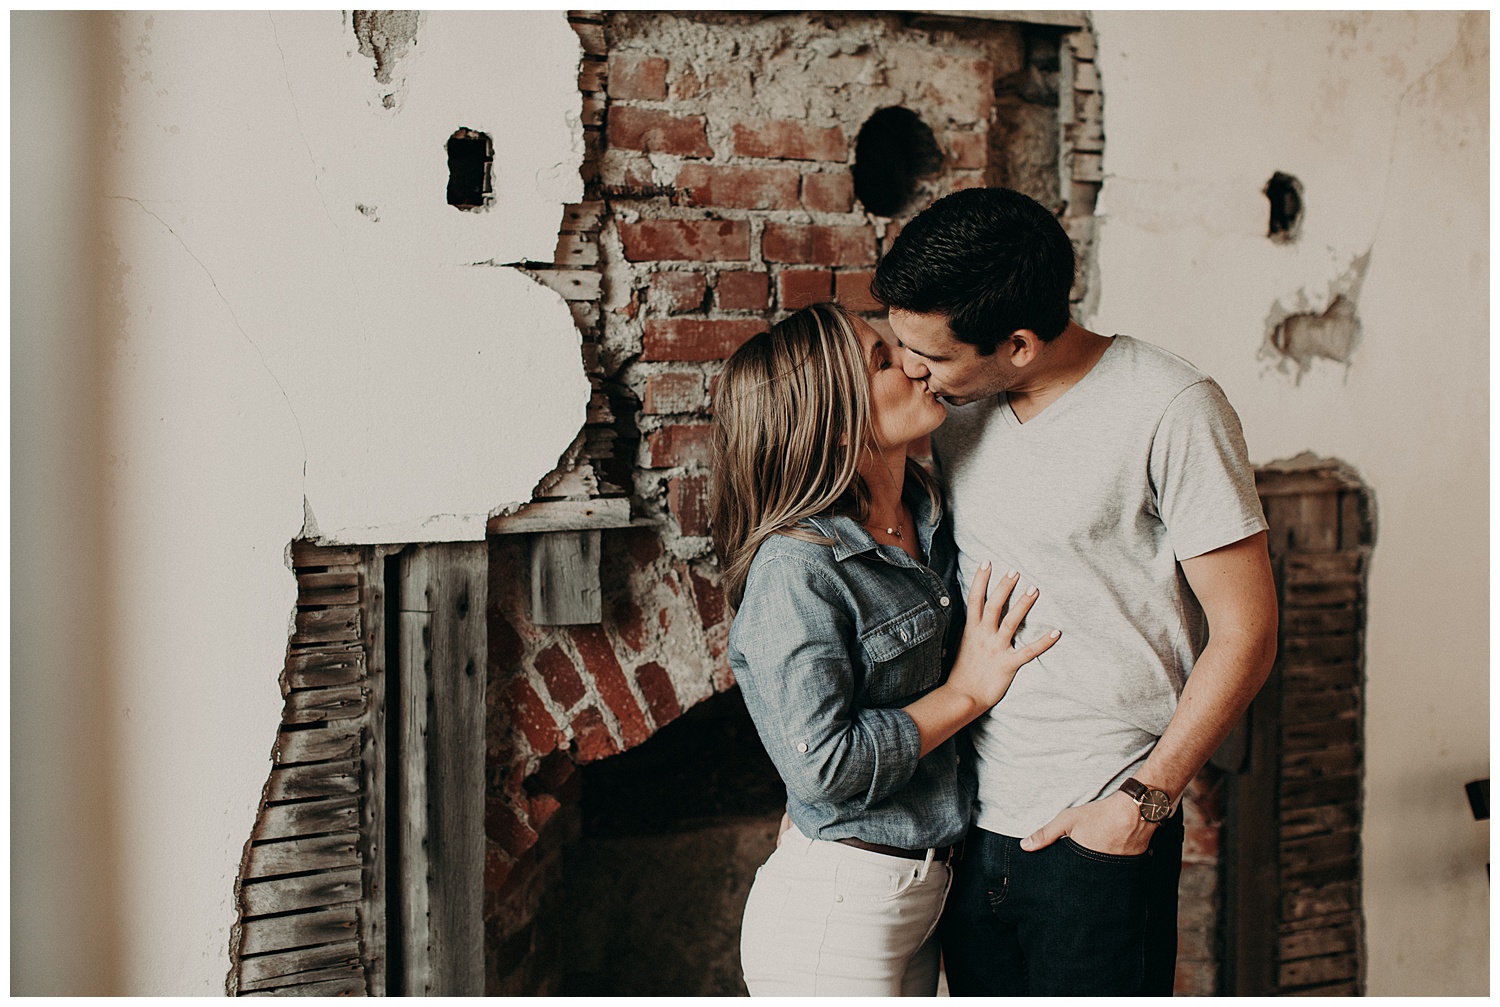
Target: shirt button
[(802, 747), (943, 601)]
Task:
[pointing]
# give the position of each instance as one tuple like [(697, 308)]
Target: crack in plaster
[(235, 319)]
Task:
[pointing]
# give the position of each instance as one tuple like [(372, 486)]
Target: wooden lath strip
[(303, 853), (311, 891), (284, 933)]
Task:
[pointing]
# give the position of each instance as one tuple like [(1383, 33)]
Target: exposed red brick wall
[(719, 198)]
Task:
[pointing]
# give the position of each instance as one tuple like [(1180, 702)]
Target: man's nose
[(914, 366)]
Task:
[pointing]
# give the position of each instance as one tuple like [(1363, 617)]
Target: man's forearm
[(1225, 679)]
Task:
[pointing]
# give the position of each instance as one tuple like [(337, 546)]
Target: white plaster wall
[(304, 320), (1384, 119)]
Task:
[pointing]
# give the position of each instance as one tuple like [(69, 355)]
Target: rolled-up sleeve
[(791, 647)]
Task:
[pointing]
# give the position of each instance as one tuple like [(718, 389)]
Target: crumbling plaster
[(305, 343), (1383, 118)]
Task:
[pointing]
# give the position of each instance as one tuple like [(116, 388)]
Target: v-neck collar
[(1008, 413)]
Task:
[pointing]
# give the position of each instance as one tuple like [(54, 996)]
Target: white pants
[(825, 919)]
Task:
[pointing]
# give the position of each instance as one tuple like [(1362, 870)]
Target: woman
[(837, 559)]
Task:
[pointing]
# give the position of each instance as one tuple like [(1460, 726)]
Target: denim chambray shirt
[(828, 644)]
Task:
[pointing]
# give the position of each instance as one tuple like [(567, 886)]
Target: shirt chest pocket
[(904, 656)]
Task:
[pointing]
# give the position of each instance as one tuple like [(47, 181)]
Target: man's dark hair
[(991, 260)]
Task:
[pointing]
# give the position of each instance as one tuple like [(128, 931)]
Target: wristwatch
[(1154, 804)]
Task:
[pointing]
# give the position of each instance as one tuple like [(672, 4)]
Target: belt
[(940, 854)]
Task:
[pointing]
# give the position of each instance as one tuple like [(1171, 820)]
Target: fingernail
[(1026, 843), (1031, 590), (1011, 573), (1055, 634), (985, 565)]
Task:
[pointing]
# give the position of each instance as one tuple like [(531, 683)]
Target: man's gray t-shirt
[(1095, 500)]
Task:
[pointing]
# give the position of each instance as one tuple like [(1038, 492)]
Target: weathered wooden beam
[(281, 933), (342, 702), (308, 554), (327, 625), (281, 895), (564, 515), (351, 985), (318, 744), (442, 850), (306, 669), (283, 821), (565, 587), (319, 779), (315, 853), (286, 966)]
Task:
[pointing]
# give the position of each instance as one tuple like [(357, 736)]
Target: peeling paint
[(385, 36), (1294, 339)]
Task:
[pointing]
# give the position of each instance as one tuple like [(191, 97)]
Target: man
[(1114, 476)]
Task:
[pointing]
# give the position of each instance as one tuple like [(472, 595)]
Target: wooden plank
[(1338, 897), (289, 856), (308, 554), (575, 251), (1322, 593), (335, 668), (584, 216), (572, 284), (283, 821), (443, 590), (1330, 649), (1312, 971), (281, 968), (1316, 942), (327, 597), (1332, 847), (281, 895), (319, 779), (343, 702), (1307, 706), (1327, 734), (1326, 790), (565, 586), (352, 985), (412, 873), (1319, 621), (1302, 677), (564, 515), (1336, 567), (318, 744), (280, 933), (1344, 989), (1296, 822), (1332, 920), (1274, 482), (374, 902), (1341, 761), (327, 625)]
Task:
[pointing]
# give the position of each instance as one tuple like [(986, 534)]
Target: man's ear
[(1023, 347)]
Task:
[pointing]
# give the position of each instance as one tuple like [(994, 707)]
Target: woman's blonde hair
[(791, 416)]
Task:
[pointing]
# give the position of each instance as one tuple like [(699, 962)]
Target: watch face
[(1155, 805)]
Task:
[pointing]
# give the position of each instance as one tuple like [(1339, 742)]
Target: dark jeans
[(1063, 920)]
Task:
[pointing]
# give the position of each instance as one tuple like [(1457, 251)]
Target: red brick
[(693, 240), (561, 676), (696, 338), (542, 807), (678, 292), (632, 78), (687, 498), (762, 188), (962, 88), (968, 150), (709, 598), (505, 827), (679, 444), (743, 291), (591, 737), (644, 546), (797, 288), (529, 713), (600, 660), (824, 245), (787, 138), (630, 624), (661, 695), (657, 132), (852, 290), (673, 392), (828, 192)]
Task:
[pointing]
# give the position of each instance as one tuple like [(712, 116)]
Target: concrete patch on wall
[(1295, 338), (385, 36)]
